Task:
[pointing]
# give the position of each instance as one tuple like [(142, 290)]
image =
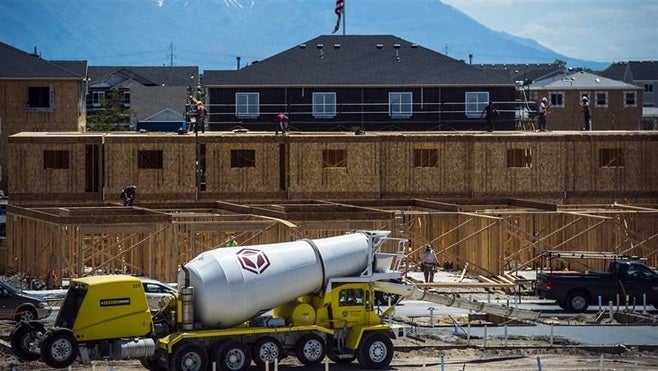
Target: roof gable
[(166, 114), (356, 60), (149, 76)]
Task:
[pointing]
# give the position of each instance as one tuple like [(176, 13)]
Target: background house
[(615, 105), (645, 75), (373, 82), (151, 93), (38, 95)]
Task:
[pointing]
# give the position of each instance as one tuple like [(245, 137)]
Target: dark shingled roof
[(632, 71), (167, 76), (17, 64), (356, 60)]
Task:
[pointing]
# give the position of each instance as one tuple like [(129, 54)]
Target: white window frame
[(126, 98), (324, 105), (248, 109), (475, 101), (553, 97), (400, 104), (648, 87), (634, 94), (596, 99), (97, 98)]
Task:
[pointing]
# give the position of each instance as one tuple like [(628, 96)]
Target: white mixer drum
[(234, 284)]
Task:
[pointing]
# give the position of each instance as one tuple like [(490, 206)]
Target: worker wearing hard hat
[(428, 263)]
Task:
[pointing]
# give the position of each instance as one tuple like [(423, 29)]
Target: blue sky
[(596, 30)]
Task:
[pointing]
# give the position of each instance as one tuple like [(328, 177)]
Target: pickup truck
[(575, 292)]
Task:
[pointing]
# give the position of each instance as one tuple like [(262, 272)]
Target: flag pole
[(344, 7)]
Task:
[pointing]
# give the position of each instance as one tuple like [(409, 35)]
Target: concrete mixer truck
[(234, 306)]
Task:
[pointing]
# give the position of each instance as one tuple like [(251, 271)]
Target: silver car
[(156, 291), (19, 306)]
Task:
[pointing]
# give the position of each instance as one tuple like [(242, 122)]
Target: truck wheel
[(151, 364), (375, 351), (189, 357), (59, 349), (232, 355), (311, 350), (21, 337), (26, 314), (578, 301), (266, 350)]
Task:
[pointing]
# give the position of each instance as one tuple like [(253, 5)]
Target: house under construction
[(487, 202)]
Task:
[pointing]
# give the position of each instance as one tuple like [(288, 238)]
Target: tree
[(114, 116), (560, 64)]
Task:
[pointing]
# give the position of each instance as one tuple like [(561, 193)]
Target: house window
[(243, 158), (426, 157), (519, 157), (55, 159), (601, 99), (126, 98), (400, 105), (247, 104), (149, 159), (475, 103), (630, 99), (556, 98), (611, 157), (40, 98), (334, 158), (97, 98), (324, 105), (648, 87)]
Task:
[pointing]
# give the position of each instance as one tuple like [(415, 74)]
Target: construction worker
[(281, 124), (231, 241), (428, 263)]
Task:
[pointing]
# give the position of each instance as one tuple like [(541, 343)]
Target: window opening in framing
[(55, 159), (243, 158), (426, 157), (611, 157), (149, 159), (519, 157), (334, 158)]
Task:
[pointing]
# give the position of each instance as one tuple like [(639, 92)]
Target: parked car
[(156, 290), (19, 306), (624, 278)]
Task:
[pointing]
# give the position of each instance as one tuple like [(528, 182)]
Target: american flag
[(340, 4)]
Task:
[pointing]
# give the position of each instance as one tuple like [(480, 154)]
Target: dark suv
[(19, 306)]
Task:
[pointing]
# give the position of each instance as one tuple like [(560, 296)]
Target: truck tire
[(21, 337), (578, 301), (375, 351), (266, 350), (189, 357), (232, 355), (151, 364), (311, 349), (59, 349)]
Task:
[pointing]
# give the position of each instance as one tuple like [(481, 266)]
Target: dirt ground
[(414, 355)]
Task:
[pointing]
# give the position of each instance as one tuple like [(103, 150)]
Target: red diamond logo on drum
[(253, 260)]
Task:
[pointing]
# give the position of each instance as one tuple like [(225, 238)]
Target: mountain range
[(211, 34)]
